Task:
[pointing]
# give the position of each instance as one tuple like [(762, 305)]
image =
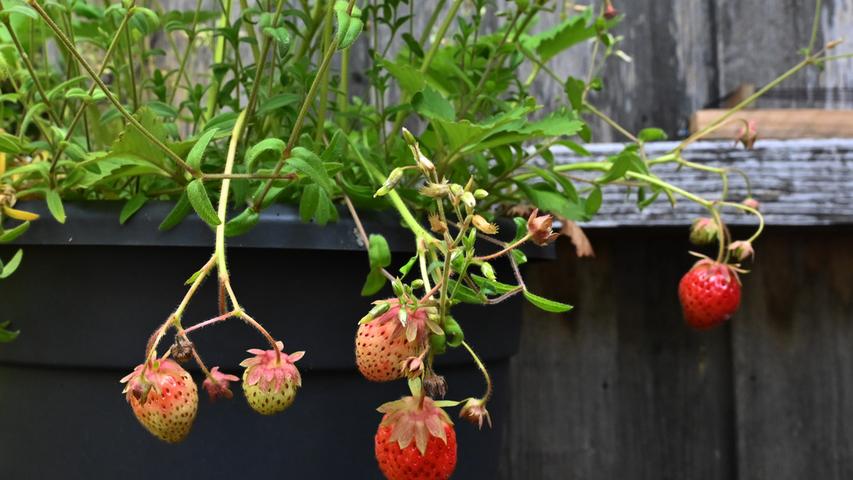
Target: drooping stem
[(223, 196), (721, 236), (505, 250), (219, 254), (212, 321), (175, 318), (483, 370), (753, 211)]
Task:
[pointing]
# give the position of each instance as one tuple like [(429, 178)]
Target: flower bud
[(752, 203), (484, 225), (703, 231), (412, 367), (741, 250), (488, 271), (468, 199), (539, 228), (435, 386), (435, 190), (436, 224), (408, 137), (480, 194), (475, 412), (216, 384), (747, 135), (182, 350), (393, 179)]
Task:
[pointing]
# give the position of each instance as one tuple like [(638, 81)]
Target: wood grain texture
[(759, 39), (793, 362), (783, 123), (619, 389), (798, 182)]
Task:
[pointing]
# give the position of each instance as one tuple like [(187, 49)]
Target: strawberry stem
[(721, 235), (482, 368)]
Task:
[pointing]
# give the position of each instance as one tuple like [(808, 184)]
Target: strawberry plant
[(225, 112)]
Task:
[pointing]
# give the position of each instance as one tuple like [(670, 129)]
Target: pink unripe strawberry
[(270, 381), (164, 399), (384, 343)]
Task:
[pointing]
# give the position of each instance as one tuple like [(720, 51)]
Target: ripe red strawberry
[(164, 399), (382, 344), (709, 294), (270, 383), (415, 441)]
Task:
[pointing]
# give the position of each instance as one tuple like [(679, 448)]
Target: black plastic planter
[(90, 292)]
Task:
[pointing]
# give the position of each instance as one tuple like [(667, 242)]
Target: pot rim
[(95, 223)]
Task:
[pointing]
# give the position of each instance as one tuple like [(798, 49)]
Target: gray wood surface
[(621, 388), (798, 182)]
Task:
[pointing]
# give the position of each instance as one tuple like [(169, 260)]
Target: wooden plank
[(798, 182), (620, 387), (759, 39), (784, 123), (793, 361)]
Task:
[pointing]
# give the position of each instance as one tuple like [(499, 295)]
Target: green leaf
[(54, 204), (21, 9), (223, 121), (574, 88), (242, 223), (277, 102), (519, 256), (411, 80), (9, 268), (593, 202), (315, 204), (557, 39), (280, 36), (374, 282), (132, 206), (308, 163), (274, 145), (7, 336), (197, 152), (432, 104), (651, 135), (493, 286), (545, 304), (379, 253), (405, 269), (181, 209), (13, 233), (546, 199), (132, 143), (197, 195), (464, 294)]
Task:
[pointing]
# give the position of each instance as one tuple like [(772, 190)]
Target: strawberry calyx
[(269, 370), (413, 419)]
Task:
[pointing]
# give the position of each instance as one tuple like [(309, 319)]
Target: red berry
[(415, 441), (709, 294), (164, 399)]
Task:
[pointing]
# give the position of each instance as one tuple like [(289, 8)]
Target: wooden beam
[(798, 182), (782, 123)]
